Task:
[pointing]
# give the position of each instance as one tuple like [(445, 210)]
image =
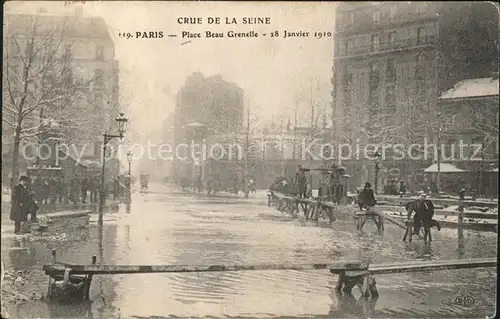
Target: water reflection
[(348, 305), (161, 229), (461, 243)]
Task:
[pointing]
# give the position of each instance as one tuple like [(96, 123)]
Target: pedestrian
[(93, 189), (402, 188), (75, 189), (301, 182), (461, 194), (199, 183), (38, 189), (20, 202), (45, 192), (60, 190), (116, 188), (424, 212), (367, 197), (53, 191), (84, 187)]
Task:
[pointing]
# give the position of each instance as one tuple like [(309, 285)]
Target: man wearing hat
[(20, 202), (424, 211), (366, 197)]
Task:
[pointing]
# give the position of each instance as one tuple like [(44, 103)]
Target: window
[(374, 74), (349, 44), (391, 70), (421, 85), (422, 7), (67, 50), (375, 43), (392, 38), (99, 53), (347, 82), (350, 18), (376, 16), (99, 78), (391, 96), (373, 100), (421, 35)]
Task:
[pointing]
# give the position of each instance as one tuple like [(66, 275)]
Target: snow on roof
[(444, 168), (472, 88)]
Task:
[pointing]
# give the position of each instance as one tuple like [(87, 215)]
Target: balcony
[(386, 47)]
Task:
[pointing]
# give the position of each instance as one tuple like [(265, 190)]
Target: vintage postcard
[(186, 159)]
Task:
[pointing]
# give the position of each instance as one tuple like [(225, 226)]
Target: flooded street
[(167, 228)]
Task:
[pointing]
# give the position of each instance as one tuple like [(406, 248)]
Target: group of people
[(27, 195), (331, 187), (395, 188), (422, 207)]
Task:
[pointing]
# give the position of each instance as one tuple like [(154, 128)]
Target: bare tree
[(37, 80)]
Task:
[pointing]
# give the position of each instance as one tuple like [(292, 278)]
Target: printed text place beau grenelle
[(224, 20)]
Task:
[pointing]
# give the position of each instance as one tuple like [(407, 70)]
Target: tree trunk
[(438, 175)]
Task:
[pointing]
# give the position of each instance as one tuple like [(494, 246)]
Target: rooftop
[(75, 26), (472, 88)]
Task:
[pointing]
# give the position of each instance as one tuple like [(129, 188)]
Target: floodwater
[(165, 228)]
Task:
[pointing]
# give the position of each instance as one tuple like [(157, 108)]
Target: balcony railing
[(388, 46)]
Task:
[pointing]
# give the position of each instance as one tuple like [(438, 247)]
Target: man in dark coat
[(20, 203), (424, 212), (366, 197), (84, 186), (301, 181)]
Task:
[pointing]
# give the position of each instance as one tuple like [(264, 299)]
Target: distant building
[(211, 101), (473, 107), (214, 105)]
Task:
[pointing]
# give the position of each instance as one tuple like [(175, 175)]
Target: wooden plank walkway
[(334, 267), (417, 266), (437, 201)]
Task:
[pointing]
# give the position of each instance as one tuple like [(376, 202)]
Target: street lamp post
[(128, 178), (122, 121), (377, 169), (129, 159)]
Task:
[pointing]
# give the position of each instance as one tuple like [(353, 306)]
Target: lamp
[(122, 123)]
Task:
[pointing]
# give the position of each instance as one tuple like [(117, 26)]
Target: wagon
[(144, 181)]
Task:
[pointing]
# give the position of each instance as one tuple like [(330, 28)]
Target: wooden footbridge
[(70, 281), (315, 208)]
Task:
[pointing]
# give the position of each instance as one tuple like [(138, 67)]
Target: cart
[(144, 181)]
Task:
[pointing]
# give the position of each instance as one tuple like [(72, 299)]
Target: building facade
[(84, 53)]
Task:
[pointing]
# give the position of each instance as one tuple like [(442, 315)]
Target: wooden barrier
[(363, 216), (312, 209), (437, 201), (351, 273)]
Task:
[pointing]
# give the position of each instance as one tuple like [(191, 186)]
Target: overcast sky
[(273, 72)]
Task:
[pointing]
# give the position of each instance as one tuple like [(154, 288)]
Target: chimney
[(79, 12)]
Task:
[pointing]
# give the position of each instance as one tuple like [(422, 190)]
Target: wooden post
[(460, 213), (88, 281), (53, 262)]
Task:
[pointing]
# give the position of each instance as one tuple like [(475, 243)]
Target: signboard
[(45, 172)]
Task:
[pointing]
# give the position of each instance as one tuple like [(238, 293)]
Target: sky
[(276, 73)]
